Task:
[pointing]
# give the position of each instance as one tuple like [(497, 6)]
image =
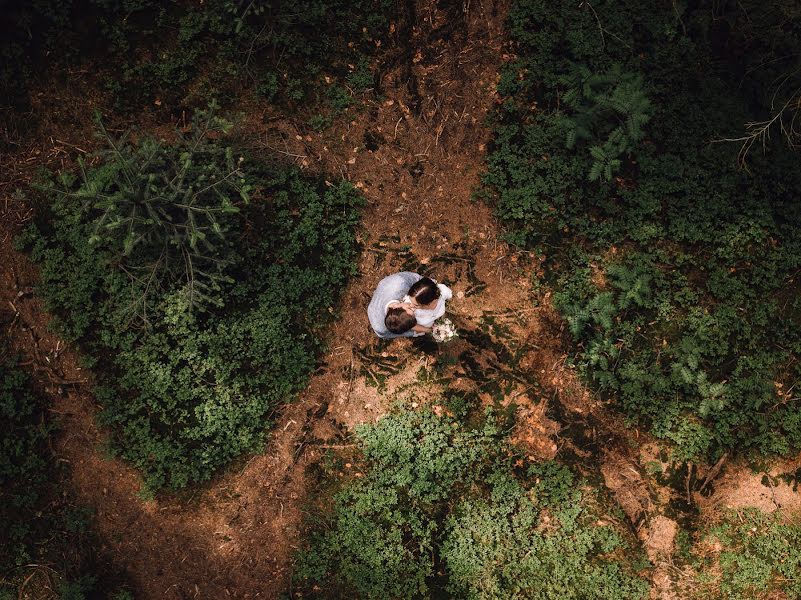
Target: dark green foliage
[(678, 278), (23, 26), (24, 467), (162, 214), (185, 54), (39, 526), (186, 391), (441, 508), (607, 110)]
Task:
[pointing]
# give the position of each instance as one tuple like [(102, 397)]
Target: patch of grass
[(760, 555), (444, 507)]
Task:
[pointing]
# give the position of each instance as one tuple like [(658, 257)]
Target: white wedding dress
[(426, 317)]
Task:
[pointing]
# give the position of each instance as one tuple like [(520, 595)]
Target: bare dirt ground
[(416, 154)]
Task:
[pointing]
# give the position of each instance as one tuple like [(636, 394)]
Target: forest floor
[(417, 155)]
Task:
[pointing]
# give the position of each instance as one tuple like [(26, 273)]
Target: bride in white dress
[(428, 299)]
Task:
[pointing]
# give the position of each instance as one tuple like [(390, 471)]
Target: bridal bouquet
[(443, 331)]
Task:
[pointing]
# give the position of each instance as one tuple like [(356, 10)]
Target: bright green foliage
[(186, 391), (440, 508), (24, 466), (505, 546), (761, 554), (386, 525), (678, 278)]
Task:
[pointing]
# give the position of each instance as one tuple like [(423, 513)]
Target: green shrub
[(493, 549), (761, 553), (678, 279), (24, 467), (441, 508), (385, 526), (162, 216), (608, 109), (186, 391)]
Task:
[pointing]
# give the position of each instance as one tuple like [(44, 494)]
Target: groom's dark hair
[(399, 321), (425, 291)]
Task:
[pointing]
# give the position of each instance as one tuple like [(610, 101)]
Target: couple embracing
[(406, 305)]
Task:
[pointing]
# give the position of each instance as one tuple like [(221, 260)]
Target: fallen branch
[(713, 472)]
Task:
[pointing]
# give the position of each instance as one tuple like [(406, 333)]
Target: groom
[(389, 315)]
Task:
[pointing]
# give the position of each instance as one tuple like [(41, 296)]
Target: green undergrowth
[(42, 529), (675, 269), (196, 282), (749, 554), (25, 466), (171, 56), (443, 507)]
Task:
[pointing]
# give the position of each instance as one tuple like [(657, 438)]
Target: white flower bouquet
[(443, 331)]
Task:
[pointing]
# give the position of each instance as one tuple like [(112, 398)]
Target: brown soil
[(235, 537), (740, 487)]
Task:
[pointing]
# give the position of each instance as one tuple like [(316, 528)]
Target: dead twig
[(772, 489), (13, 322), (690, 467), (713, 472), (441, 129), (37, 353), (351, 373), (78, 148), (598, 20), (298, 156), (759, 131)]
